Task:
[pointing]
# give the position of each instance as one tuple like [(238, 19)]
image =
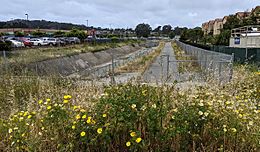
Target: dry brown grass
[(141, 64)]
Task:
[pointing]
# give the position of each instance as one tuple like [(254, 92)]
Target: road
[(157, 72)]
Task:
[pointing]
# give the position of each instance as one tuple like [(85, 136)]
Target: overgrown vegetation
[(41, 54), (37, 114), (141, 64), (186, 64)]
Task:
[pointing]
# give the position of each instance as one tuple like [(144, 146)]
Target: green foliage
[(18, 34), (76, 33), (172, 35), (166, 29), (133, 117), (232, 22), (222, 38), (59, 34), (143, 30), (5, 46), (38, 33), (192, 35)]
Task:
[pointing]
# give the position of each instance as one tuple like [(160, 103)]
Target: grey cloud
[(124, 13)]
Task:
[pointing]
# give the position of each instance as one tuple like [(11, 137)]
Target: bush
[(5, 46)]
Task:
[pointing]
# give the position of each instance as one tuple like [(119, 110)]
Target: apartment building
[(213, 27)]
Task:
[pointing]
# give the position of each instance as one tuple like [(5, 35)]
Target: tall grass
[(67, 115)]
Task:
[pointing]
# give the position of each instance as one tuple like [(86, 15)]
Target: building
[(214, 27), (218, 25), (245, 37)]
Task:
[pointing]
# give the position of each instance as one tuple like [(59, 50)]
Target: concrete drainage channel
[(105, 72)]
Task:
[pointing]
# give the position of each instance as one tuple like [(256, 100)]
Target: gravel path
[(157, 72)]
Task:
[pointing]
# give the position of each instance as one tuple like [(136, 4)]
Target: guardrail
[(213, 64)]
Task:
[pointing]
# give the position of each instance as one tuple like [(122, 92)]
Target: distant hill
[(41, 24)]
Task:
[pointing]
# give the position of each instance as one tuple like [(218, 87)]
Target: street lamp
[(12, 24), (27, 16), (87, 23)]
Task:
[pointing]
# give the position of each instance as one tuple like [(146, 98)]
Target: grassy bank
[(62, 115), (40, 54)]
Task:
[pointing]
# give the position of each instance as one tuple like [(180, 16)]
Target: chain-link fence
[(107, 70), (214, 65)]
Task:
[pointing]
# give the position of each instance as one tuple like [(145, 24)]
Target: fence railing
[(213, 64)]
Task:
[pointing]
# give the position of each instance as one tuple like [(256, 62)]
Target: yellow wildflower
[(40, 101), (29, 117), (10, 130), (104, 115), (49, 107), (65, 101), (89, 120), (67, 97), (83, 133), (200, 113), (73, 127), (128, 144), (84, 116), (138, 140), (99, 130), (234, 129), (133, 106), (206, 114), (78, 117), (132, 134)]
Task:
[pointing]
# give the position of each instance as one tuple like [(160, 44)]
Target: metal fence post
[(113, 70), (5, 62), (231, 67)]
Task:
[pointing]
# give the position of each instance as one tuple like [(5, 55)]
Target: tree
[(232, 22), (76, 33), (172, 35), (143, 30), (59, 34), (193, 35), (166, 29), (222, 38), (157, 29), (38, 33)]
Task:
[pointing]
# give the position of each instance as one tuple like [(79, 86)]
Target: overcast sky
[(124, 13)]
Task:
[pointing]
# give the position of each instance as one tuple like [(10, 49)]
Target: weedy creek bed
[(60, 115)]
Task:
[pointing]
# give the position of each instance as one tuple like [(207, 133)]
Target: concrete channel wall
[(66, 66)]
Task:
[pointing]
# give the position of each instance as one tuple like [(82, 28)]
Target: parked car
[(16, 43), (38, 42), (26, 41), (73, 40), (62, 41)]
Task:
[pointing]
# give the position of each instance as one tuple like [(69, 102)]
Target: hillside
[(41, 24)]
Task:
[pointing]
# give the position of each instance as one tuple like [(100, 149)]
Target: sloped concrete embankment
[(65, 66)]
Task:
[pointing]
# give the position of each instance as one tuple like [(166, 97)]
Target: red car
[(26, 41)]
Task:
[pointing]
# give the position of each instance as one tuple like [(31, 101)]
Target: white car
[(16, 43), (38, 42)]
